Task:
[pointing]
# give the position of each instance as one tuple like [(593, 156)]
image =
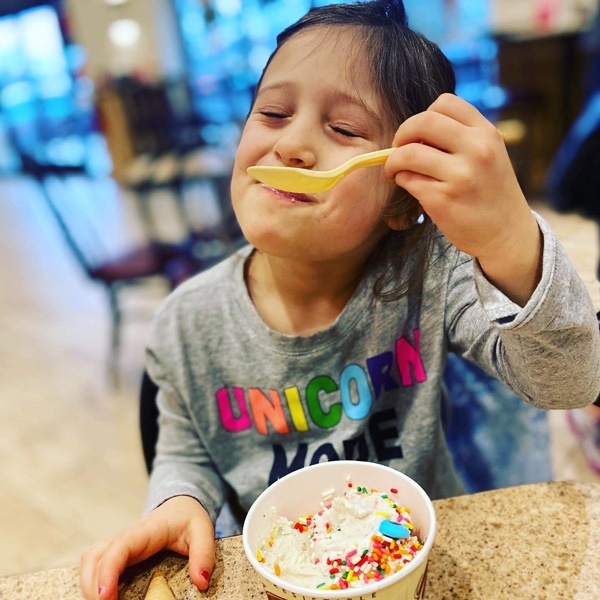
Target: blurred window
[(227, 43), (46, 105)]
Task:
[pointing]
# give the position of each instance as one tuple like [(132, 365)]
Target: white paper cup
[(301, 492)]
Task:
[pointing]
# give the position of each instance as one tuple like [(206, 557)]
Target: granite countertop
[(539, 541)]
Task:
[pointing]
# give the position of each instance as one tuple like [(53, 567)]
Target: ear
[(402, 210), (400, 223), (396, 223)]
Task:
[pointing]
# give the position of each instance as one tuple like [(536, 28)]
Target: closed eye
[(345, 132), (273, 115)]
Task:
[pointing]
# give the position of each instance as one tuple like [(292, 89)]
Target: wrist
[(515, 267)]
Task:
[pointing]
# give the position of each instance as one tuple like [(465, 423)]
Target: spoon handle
[(373, 158)]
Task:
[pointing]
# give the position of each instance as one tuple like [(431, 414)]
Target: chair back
[(148, 419), (91, 212), (95, 218)]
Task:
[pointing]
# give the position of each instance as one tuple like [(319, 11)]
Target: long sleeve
[(182, 465), (242, 405), (547, 352)]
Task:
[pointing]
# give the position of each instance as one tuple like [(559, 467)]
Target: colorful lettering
[(228, 419), (321, 418), (265, 409), (380, 370), (292, 395), (408, 356), (326, 401), (360, 409)]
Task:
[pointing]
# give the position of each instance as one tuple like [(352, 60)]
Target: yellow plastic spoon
[(291, 179)]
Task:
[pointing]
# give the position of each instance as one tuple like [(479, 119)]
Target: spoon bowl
[(291, 179)]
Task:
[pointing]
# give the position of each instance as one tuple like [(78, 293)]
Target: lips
[(294, 197)]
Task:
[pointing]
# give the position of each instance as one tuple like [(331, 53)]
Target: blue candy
[(393, 530)]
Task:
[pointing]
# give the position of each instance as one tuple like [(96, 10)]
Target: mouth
[(293, 196)]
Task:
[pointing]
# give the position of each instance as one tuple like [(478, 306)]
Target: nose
[(295, 147)]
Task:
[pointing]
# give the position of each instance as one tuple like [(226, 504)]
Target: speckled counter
[(537, 542)]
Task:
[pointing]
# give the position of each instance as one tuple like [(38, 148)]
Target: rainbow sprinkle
[(381, 556)]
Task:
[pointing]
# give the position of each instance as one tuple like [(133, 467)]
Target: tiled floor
[(70, 461)]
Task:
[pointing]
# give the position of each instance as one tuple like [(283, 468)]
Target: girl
[(326, 337)]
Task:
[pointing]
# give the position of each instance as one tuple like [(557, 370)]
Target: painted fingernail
[(205, 575)]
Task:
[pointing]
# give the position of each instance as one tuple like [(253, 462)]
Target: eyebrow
[(345, 98)]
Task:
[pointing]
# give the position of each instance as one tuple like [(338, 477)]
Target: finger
[(468, 119), (448, 124), (201, 544), (432, 129), (421, 159), (458, 109), (109, 591), (129, 548), (413, 182), (429, 192), (88, 566)]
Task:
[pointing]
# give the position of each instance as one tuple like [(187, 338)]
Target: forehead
[(334, 57)]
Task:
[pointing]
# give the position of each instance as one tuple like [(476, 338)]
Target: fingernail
[(100, 591), (205, 575)]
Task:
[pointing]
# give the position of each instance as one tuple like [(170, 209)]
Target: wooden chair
[(148, 419), (72, 198)]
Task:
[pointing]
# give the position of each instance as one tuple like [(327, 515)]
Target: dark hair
[(409, 72)]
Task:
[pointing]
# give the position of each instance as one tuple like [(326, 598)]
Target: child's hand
[(455, 163), (180, 524)]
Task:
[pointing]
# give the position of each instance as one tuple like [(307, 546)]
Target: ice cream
[(359, 536)]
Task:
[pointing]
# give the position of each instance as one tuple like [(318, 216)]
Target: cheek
[(365, 197), (243, 158), (354, 221), (237, 176), (245, 154)]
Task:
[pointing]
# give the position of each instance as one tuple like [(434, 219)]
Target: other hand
[(180, 524), (455, 163)]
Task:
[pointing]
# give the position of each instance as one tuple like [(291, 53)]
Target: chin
[(262, 238), (273, 244)]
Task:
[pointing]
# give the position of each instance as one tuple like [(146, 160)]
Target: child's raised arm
[(180, 524), (455, 163)]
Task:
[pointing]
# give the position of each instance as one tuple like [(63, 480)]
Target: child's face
[(315, 109)]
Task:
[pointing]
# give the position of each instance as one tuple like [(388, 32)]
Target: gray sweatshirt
[(242, 405)]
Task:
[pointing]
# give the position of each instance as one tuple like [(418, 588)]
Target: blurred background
[(118, 124)]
